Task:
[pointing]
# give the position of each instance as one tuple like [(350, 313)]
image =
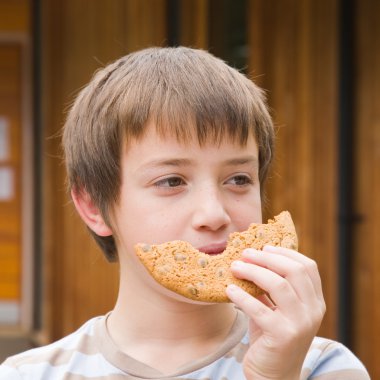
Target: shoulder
[(9, 373), (43, 362), (328, 358)]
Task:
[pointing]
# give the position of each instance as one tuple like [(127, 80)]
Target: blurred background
[(319, 61)]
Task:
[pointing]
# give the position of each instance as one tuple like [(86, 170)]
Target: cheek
[(144, 224), (247, 210)]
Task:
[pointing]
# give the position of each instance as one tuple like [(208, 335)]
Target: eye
[(170, 182), (240, 180)]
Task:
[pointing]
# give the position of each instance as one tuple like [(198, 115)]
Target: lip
[(213, 249)]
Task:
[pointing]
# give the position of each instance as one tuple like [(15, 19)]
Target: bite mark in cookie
[(180, 267)]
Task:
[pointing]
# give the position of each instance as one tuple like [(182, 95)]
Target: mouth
[(213, 249)]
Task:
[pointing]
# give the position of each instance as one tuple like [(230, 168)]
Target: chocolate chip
[(193, 290), (179, 257), (220, 272), (202, 262), (163, 269), (146, 248)]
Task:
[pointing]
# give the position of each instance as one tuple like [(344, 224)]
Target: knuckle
[(245, 302), (281, 285), (299, 270), (323, 308), (312, 265), (261, 312)]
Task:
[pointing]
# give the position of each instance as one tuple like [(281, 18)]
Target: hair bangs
[(188, 105), (211, 120)]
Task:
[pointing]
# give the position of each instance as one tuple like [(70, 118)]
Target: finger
[(265, 299), (292, 270), (310, 264), (279, 288), (265, 319)]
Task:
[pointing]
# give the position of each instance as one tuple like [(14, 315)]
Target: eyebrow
[(177, 162), (242, 161), (167, 162)]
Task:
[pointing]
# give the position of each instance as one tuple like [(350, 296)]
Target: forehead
[(165, 141)]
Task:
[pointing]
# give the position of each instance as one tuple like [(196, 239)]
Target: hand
[(284, 323)]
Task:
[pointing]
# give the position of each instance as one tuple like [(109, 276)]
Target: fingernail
[(250, 252), (270, 248), (232, 288), (236, 264)]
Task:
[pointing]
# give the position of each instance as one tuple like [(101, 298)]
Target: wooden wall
[(294, 56), (293, 53), (366, 192), (15, 16), (78, 38)]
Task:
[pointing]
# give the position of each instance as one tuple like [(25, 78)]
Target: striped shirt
[(89, 353)]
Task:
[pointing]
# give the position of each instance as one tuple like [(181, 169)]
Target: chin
[(178, 297)]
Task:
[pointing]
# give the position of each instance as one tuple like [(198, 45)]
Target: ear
[(90, 213)]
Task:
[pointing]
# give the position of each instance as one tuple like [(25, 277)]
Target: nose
[(209, 211)]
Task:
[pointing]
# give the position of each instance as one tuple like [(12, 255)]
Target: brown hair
[(183, 91)]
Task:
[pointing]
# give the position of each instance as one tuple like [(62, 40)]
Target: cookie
[(178, 266)]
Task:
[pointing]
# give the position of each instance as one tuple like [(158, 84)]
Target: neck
[(158, 316)]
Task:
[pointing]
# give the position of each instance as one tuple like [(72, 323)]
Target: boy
[(171, 143)]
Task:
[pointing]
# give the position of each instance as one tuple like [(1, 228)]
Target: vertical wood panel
[(293, 54), (194, 23), (79, 37), (145, 23), (366, 328), (15, 16)]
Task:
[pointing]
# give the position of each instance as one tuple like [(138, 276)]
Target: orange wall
[(10, 215), (14, 29)]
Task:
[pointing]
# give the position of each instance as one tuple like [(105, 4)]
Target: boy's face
[(177, 191)]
